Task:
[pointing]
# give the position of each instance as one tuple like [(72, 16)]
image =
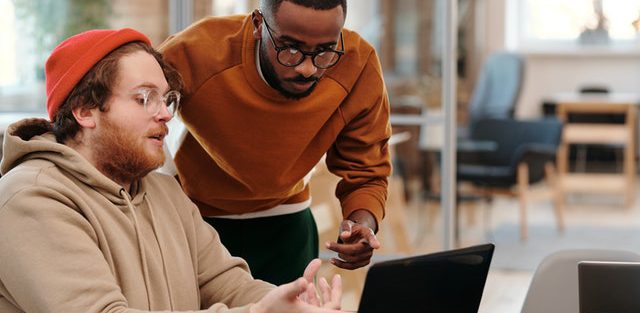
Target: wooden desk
[(585, 133)]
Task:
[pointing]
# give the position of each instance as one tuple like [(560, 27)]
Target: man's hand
[(356, 241), (331, 295), (301, 295)]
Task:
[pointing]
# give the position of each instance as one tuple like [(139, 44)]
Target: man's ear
[(85, 117), (256, 19)]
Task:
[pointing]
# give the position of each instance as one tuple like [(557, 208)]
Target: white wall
[(552, 73), (548, 73)]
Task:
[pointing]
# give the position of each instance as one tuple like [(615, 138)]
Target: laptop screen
[(609, 287), (449, 281)]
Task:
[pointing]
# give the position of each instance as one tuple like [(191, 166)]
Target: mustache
[(162, 129), (302, 79)]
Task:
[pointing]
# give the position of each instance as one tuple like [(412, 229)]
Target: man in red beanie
[(86, 225), (266, 96)]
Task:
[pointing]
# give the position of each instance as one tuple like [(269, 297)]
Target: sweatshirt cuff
[(364, 201)]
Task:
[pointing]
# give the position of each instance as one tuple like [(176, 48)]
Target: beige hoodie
[(72, 240)]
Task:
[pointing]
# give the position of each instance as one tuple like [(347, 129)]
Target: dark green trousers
[(277, 248)]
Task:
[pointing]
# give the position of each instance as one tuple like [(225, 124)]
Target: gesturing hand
[(330, 295), (301, 295), (355, 245)]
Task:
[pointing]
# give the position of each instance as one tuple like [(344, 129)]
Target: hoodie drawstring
[(157, 235), (145, 266)]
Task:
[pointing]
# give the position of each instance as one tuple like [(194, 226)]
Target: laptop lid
[(448, 281), (609, 287)]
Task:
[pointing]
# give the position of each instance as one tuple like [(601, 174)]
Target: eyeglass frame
[(145, 92), (305, 54)]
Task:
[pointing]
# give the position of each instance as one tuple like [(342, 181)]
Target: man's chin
[(296, 95), (158, 160)]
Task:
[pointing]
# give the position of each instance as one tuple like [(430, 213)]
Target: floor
[(505, 290)]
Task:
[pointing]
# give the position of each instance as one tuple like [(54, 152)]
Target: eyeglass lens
[(293, 57), (154, 101)]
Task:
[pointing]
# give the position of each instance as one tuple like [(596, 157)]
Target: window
[(541, 24), (30, 29)]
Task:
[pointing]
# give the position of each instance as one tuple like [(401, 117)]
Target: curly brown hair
[(95, 88)]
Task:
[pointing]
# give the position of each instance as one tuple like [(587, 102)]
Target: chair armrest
[(474, 151), (536, 152), (476, 146)]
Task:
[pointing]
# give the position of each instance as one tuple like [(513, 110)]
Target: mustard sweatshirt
[(249, 148), (72, 240)]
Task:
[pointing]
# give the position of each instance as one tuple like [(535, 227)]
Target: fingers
[(336, 293), (356, 248), (372, 239), (358, 254), (325, 290), (346, 228), (301, 296), (311, 295), (311, 270), (350, 265), (293, 289), (352, 232), (331, 295)]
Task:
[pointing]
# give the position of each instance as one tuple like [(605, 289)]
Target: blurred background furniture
[(497, 89), (554, 287), (582, 150), (591, 157), (598, 133), (525, 153)]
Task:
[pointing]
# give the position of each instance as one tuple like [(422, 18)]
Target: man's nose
[(164, 114), (306, 68)]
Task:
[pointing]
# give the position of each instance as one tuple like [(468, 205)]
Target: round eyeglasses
[(153, 101), (291, 56)]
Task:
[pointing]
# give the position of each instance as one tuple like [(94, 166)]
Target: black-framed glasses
[(291, 56), (153, 101)]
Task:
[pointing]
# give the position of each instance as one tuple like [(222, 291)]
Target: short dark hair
[(270, 7), (95, 88)]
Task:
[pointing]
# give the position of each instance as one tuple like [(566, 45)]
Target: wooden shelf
[(593, 183), (596, 134)]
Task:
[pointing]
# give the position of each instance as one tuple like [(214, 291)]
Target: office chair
[(497, 89), (524, 154), (554, 287), (494, 96)]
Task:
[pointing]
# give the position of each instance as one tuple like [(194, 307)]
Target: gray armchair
[(524, 154), (497, 89)]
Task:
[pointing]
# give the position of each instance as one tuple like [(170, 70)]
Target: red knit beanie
[(75, 56)]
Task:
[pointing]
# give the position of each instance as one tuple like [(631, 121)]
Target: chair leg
[(556, 193), (523, 187)]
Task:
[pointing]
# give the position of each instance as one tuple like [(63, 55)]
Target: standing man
[(86, 225), (266, 96)]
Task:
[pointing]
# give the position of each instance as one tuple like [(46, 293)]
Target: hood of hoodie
[(32, 139)]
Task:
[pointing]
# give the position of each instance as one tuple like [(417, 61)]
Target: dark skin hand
[(356, 241)]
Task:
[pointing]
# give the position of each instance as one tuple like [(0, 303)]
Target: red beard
[(123, 158)]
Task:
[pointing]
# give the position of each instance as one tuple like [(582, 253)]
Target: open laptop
[(609, 287), (449, 281)]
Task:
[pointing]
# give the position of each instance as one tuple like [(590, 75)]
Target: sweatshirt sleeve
[(51, 261), (360, 155)]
